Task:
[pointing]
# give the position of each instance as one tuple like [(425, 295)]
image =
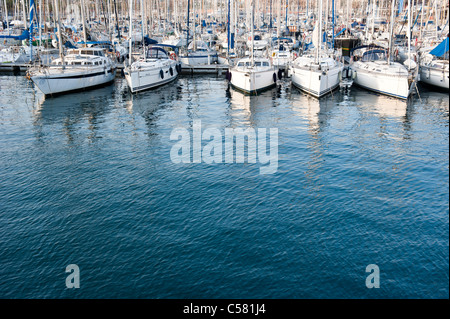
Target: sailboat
[(376, 72), (434, 68), (198, 52), (80, 69), (316, 74), (154, 69), (252, 74)]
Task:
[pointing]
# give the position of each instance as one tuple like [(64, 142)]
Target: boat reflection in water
[(76, 113), (147, 105), (382, 105), (253, 110)]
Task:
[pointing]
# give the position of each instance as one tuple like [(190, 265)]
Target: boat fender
[(161, 73), (274, 78), (171, 71), (229, 76), (280, 74), (340, 75), (353, 74)]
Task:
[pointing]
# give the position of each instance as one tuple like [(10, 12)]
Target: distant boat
[(80, 69), (281, 53), (15, 54), (199, 53)]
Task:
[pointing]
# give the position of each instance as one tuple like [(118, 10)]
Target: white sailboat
[(434, 66), (376, 72), (198, 52), (434, 72), (154, 69), (80, 69), (282, 54), (316, 74), (252, 74)]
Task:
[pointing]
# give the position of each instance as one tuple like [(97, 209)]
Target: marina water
[(87, 179)]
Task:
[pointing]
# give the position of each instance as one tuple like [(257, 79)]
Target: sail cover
[(441, 49)]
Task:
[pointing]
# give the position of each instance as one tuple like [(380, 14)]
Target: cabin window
[(241, 64), (265, 63), (77, 63), (258, 63)]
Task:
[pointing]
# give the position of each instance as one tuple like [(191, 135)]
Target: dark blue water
[(87, 179)]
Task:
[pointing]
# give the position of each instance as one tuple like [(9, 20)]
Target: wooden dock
[(217, 69)]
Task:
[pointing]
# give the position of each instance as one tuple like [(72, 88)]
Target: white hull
[(377, 81), (148, 78), (315, 82), (252, 82), (434, 76), (73, 79)]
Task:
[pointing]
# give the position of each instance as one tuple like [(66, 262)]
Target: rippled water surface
[(87, 179)]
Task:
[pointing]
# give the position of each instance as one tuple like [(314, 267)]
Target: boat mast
[(130, 44), (31, 28), (287, 11), (332, 23), (347, 19), (84, 23), (24, 14), (142, 27), (117, 19), (61, 55), (436, 19), (391, 30), (194, 37), (7, 22), (252, 31), (228, 31), (409, 34), (279, 19), (319, 30), (40, 21), (187, 29)]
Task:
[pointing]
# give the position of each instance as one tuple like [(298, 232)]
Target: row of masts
[(175, 11)]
